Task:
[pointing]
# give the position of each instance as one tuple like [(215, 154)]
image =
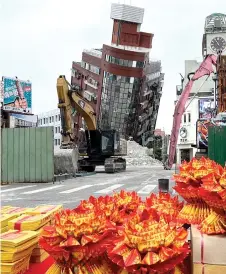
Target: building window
[(55, 129), (58, 129), (189, 117), (58, 117), (90, 67), (50, 119), (55, 118), (58, 142), (123, 62), (185, 119), (55, 142), (118, 96)]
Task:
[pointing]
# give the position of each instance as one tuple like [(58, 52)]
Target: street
[(143, 180)]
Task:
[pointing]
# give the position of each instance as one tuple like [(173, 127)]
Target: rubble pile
[(139, 156)]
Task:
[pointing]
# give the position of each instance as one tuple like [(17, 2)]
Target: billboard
[(16, 95), (202, 131), (206, 108)]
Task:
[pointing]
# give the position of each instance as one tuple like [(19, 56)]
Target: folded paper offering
[(202, 184), (118, 234)]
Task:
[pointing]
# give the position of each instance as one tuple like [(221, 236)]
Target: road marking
[(131, 188), (109, 189), (75, 189), (147, 189), (11, 199), (41, 189), (102, 184), (16, 188)]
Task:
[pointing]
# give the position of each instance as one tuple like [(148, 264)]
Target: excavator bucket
[(65, 161)]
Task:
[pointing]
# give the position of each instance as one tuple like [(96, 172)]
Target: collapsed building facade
[(120, 81)]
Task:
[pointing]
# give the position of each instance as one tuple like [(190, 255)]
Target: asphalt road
[(144, 180)]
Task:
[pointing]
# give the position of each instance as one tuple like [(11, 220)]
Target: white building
[(51, 118), (187, 132)]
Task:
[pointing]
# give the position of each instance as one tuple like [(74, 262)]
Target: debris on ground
[(138, 155)]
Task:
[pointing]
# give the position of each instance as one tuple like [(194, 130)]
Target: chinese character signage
[(206, 108), (17, 95)]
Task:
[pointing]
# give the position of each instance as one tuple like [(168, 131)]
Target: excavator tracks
[(113, 165)]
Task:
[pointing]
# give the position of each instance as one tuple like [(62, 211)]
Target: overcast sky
[(41, 38)]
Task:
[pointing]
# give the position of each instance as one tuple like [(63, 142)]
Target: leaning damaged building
[(120, 81)]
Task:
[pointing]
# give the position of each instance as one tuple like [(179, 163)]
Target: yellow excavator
[(103, 147)]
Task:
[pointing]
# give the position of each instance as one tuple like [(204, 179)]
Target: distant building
[(202, 101), (120, 82), (159, 132), (51, 118)]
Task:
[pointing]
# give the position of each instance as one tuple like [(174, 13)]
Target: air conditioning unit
[(87, 95)]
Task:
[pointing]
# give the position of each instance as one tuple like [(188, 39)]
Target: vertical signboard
[(206, 108), (17, 95)]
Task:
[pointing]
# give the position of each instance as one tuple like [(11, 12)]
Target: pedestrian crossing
[(41, 190), (109, 189), (16, 188), (104, 188), (75, 189)]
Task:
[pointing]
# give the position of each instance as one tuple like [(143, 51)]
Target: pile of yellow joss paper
[(20, 232)]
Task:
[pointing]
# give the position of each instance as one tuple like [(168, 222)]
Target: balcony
[(147, 92), (144, 104), (140, 132), (90, 96), (162, 76), (92, 84), (143, 117), (148, 140), (150, 111)]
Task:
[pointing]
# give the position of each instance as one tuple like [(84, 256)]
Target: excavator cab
[(102, 142)]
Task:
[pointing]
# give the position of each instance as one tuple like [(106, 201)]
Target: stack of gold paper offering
[(5, 218), (46, 209), (17, 211), (8, 213), (34, 220), (29, 222), (16, 249), (38, 255), (3, 208)]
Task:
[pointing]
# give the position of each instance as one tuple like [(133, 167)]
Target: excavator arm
[(205, 68), (70, 99)]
